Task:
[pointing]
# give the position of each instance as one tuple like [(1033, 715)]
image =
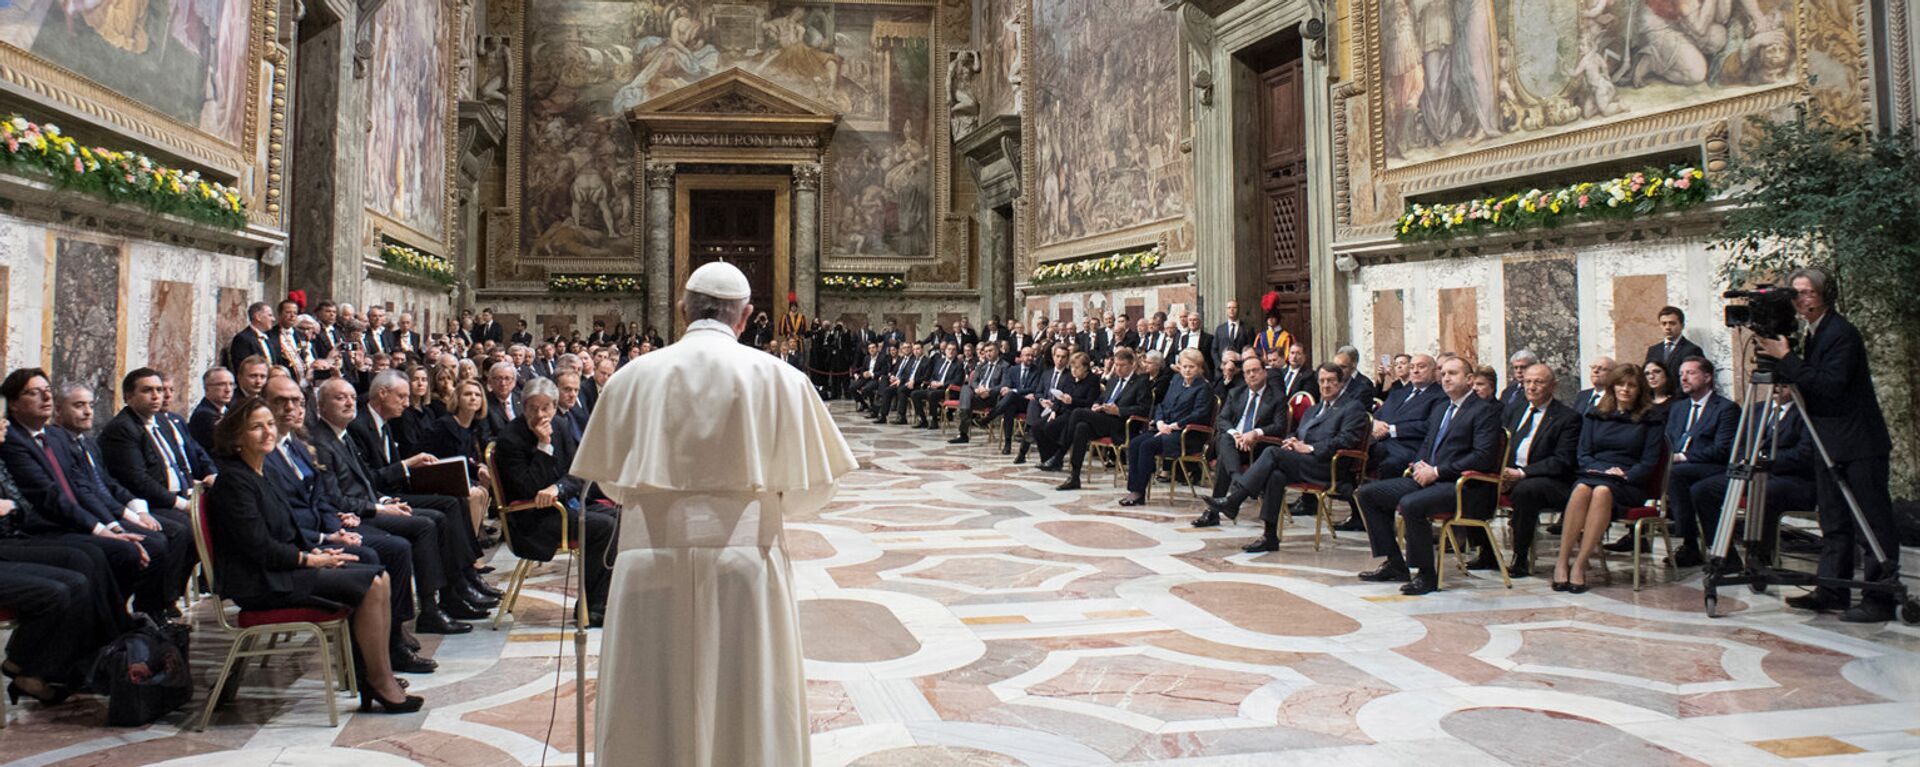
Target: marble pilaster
[(659, 244), (86, 316), (1542, 300), (806, 234)]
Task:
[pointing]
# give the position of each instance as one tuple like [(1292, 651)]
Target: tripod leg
[(1853, 504)]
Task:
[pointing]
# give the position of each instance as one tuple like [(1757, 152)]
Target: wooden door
[(736, 226), (1283, 193)]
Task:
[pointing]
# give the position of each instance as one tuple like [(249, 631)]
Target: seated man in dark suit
[(1464, 436), (1254, 410), (950, 370), (1046, 380), (1400, 425), (293, 468), (1542, 458), (1011, 398), (1516, 392), (1296, 375), (868, 376), (1128, 394), (178, 433), (218, 384), (1790, 479), (503, 397), (1330, 426), (443, 552), (143, 458), (1360, 389), (532, 459), (1700, 431), (1597, 373), (909, 374), (982, 388)]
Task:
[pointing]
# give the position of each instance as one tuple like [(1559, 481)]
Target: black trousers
[(458, 544), (538, 529), (1007, 409), (1680, 482), (1051, 434), (1084, 426), (396, 554), (1784, 493), (165, 578), (65, 606), (1378, 501), (1390, 458), (1840, 537), (1270, 474), (893, 398), (1531, 497), (1230, 462), (926, 402)]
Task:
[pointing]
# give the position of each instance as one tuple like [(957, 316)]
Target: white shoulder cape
[(708, 414)]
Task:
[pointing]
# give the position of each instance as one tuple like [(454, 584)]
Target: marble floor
[(960, 611)]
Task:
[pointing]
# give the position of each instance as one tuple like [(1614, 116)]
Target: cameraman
[(1831, 371)]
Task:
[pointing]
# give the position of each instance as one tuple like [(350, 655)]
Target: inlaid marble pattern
[(86, 308), (957, 610), (1543, 314), (1459, 321), (170, 335), (1389, 324), (1636, 320)]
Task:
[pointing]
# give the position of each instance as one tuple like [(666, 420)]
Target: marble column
[(806, 235), (659, 265)]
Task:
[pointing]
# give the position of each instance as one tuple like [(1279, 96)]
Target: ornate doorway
[(742, 220), (1280, 107)]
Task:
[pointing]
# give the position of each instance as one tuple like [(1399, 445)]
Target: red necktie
[(59, 475)]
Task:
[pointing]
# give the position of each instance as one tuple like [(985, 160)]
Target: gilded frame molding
[(381, 226), (44, 82)]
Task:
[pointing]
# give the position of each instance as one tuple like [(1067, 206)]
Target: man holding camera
[(1831, 371)]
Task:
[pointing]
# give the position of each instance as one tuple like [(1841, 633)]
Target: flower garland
[(595, 283), (1104, 268), (863, 283), (401, 258), (119, 176), (1635, 194)]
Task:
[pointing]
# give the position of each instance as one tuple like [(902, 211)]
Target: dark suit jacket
[(1584, 401), (206, 415), (1831, 370), (1513, 395), (1186, 404), (1225, 340), (412, 336), (311, 515), (1555, 450), (1084, 392), (199, 460), (1332, 426), (1304, 380), (955, 371), (1615, 441), (487, 332), (1359, 390), (134, 461), (1205, 346), (1135, 394), (1712, 433), (256, 544), (1270, 418), (524, 469), (1409, 414), (523, 338), (1682, 349), (389, 476), (344, 479), (97, 468), (497, 419), (1470, 443), (247, 343), (35, 478)]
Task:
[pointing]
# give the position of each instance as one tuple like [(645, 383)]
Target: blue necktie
[(1441, 435), (1246, 419), (1111, 398)]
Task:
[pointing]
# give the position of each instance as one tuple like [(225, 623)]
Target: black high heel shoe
[(408, 705), (55, 695)]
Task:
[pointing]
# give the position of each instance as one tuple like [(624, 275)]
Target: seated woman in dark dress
[(1078, 389), (459, 434), (1620, 445), (1189, 401), (260, 562)]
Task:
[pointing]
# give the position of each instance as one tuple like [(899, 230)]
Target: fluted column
[(806, 237), (660, 276)]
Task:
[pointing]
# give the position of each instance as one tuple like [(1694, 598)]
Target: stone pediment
[(735, 92)]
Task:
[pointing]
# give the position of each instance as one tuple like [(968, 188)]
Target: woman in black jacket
[(260, 562), (1080, 388), (1621, 443)]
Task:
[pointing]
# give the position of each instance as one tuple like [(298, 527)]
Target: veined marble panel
[(86, 317)]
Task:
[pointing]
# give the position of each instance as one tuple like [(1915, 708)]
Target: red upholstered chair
[(526, 561), (1646, 519), (1345, 470), (949, 409), (1297, 407), (1114, 455), (332, 643), (1450, 543)]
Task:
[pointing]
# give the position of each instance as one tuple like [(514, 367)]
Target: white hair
[(1524, 355), (388, 379), (499, 366), (700, 306), (539, 387)]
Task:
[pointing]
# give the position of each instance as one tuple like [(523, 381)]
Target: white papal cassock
[(707, 444)]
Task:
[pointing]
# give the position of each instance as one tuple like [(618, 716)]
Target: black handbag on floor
[(143, 673)]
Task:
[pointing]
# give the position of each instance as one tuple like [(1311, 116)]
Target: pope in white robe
[(707, 444)]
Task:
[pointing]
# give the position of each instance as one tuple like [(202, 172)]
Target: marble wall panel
[(1137, 302), (1542, 315), (86, 322), (1389, 324), (1636, 323), (908, 324), (1459, 322), (23, 251), (230, 314), (170, 332), (6, 275), (855, 320)]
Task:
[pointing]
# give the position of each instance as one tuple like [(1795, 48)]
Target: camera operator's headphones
[(1829, 290)]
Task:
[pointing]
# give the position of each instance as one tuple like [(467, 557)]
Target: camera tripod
[(1747, 475)]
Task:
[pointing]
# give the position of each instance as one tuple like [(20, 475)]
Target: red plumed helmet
[(792, 297), (299, 298), (1270, 303)]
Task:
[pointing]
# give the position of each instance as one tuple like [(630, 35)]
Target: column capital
[(806, 175), (660, 174)]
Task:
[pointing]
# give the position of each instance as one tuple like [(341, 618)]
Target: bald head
[(1538, 382), (1598, 370), (1420, 371)]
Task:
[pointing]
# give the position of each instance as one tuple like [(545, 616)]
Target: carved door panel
[(736, 226), (1283, 193)]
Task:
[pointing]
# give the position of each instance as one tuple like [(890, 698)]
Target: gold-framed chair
[(1646, 519), (333, 641), (1450, 543), (1114, 455), (524, 565), (1354, 462), (6, 627), (1190, 465)]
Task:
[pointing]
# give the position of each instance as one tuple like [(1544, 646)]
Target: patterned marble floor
[(959, 611)]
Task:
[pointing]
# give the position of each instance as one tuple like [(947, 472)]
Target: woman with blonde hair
[(1620, 447), (1189, 401)]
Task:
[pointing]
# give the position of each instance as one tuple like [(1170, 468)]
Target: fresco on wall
[(186, 59), (1459, 75), (590, 61), (1107, 130), (998, 35), (407, 142)]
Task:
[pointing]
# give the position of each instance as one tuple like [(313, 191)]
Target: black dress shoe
[(1816, 603), (1052, 465), (1351, 525), (1485, 561), (1262, 544), (1133, 500), (1386, 573), (1421, 584), (480, 584), (1072, 483), (408, 640), (1624, 544), (438, 623), (409, 663), (920, 424), (960, 440), (472, 596), (1868, 612), (1209, 518), (1519, 570), (1687, 556), (596, 619), (458, 610), (1006, 449)]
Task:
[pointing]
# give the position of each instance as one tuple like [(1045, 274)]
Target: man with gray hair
[(1516, 392), (710, 494), (1359, 388)]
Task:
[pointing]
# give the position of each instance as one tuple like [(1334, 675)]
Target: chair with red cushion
[(332, 641), (1450, 542), (1298, 406), (1113, 455), (949, 412), (1646, 519), (1355, 467), (526, 561)]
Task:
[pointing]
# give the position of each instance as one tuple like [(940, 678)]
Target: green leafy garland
[(401, 258), (595, 283), (1635, 194), (863, 283), (1101, 269), (41, 150)]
